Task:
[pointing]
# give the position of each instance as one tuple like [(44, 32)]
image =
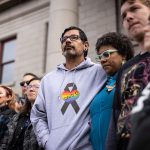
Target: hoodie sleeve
[(39, 119)]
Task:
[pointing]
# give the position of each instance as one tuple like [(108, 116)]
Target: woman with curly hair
[(113, 50)]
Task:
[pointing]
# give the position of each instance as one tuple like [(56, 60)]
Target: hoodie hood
[(85, 64)]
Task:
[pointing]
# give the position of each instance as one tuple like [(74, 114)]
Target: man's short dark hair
[(145, 2), (118, 41), (82, 35)]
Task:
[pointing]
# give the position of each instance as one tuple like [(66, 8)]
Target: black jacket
[(5, 116), (140, 139), (132, 79), (30, 142)]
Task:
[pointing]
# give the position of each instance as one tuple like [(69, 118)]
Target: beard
[(69, 51), (69, 54)]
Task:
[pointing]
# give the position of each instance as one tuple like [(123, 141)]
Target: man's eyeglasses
[(105, 55), (71, 37), (34, 86), (23, 83)]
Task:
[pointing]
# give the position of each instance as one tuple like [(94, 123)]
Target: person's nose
[(68, 40), (103, 60), (32, 89), (129, 16)]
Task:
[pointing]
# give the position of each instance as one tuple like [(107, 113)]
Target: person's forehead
[(104, 48), (2, 90), (128, 4), (71, 32), (27, 78), (131, 3), (34, 82)]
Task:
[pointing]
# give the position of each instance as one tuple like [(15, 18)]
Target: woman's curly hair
[(118, 41)]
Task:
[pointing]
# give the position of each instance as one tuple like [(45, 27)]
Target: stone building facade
[(30, 31)]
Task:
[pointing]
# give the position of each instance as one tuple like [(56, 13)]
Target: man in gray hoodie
[(60, 114)]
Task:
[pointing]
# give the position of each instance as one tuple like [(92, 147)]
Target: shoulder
[(97, 66), (99, 69), (48, 76), (135, 60)]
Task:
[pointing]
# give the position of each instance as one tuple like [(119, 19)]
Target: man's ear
[(86, 45)]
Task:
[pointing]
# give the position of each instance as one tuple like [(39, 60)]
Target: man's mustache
[(68, 47)]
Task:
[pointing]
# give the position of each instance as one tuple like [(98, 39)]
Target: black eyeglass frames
[(71, 37)]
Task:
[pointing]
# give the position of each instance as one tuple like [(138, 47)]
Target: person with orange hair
[(7, 110)]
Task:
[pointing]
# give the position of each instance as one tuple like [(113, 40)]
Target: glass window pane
[(8, 73), (9, 51)]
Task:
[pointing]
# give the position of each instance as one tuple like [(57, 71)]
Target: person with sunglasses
[(23, 84), (20, 134), (60, 114), (113, 50), (26, 78)]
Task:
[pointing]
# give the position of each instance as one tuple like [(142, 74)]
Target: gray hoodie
[(60, 114)]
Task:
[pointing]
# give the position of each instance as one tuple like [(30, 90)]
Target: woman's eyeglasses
[(105, 55), (34, 86), (71, 37), (23, 83)]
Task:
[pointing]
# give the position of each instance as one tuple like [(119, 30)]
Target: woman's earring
[(123, 62)]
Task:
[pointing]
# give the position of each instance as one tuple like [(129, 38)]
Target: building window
[(7, 60)]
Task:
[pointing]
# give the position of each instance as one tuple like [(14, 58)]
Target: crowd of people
[(16, 131), (83, 105)]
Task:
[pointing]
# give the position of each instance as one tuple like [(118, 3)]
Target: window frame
[(2, 43)]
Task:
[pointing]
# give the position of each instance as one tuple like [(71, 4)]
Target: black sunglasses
[(23, 83)]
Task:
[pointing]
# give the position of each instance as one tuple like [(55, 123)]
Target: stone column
[(62, 14)]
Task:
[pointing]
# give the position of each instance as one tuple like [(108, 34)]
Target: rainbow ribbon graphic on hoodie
[(70, 95)]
